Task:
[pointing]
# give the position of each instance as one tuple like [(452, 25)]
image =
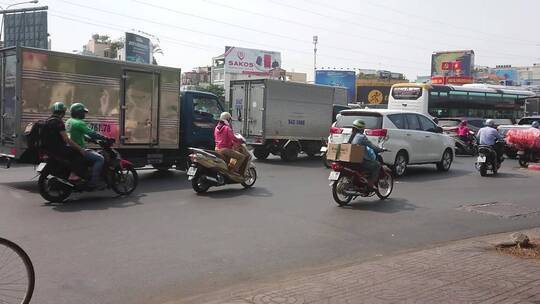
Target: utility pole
[(315, 40)]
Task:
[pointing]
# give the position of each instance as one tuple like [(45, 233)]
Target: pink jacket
[(463, 131), (224, 136)]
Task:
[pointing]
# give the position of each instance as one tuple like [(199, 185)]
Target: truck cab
[(199, 115)]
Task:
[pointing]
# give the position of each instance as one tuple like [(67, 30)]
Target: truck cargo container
[(284, 118)]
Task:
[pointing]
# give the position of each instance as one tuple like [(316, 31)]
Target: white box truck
[(283, 118)]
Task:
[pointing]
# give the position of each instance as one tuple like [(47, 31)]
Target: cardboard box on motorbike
[(346, 153)]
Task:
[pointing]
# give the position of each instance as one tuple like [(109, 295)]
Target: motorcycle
[(528, 155), (55, 186), (487, 159), (468, 146), (348, 183), (209, 169)]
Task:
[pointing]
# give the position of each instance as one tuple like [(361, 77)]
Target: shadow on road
[(222, 193), (155, 181), (29, 186), (430, 173), (97, 203), (303, 162), (390, 205)]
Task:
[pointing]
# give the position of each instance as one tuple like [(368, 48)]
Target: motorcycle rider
[(463, 131), (77, 130), (489, 136), (57, 143), (370, 165), (227, 144)]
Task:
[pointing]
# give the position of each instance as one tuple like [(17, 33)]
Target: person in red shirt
[(463, 131), (227, 144)]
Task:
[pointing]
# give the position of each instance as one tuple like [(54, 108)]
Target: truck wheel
[(289, 153), (261, 153)]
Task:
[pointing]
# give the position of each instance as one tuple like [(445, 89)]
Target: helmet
[(58, 107), (463, 122), (359, 124), (225, 116), (78, 108), (490, 123), (535, 124)]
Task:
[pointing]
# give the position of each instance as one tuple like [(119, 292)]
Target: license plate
[(192, 171), (481, 159), (521, 153), (333, 176), (324, 149), (40, 167)]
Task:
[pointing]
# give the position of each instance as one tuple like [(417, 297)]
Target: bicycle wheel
[(17, 276)]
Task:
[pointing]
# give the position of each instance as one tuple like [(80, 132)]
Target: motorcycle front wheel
[(52, 191), (124, 180), (251, 178), (385, 185), (337, 191)]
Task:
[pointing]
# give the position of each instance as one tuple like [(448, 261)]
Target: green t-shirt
[(77, 129)]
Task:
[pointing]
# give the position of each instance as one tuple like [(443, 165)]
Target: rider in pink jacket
[(227, 144)]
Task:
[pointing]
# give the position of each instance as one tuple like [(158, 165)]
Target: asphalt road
[(165, 242)]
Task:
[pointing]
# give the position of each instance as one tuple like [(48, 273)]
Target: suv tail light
[(377, 132), (335, 130)]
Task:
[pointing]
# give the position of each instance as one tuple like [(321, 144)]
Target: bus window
[(408, 93)]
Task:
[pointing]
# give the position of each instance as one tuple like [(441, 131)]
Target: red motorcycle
[(55, 185), (348, 182)]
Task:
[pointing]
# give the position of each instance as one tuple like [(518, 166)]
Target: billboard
[(138, 48), (373, 94), (345, 79), (251, 61), (452, 63), (26, 29), (507, 74)]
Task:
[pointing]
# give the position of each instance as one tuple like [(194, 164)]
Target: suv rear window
[(372, 120), (448, 123)]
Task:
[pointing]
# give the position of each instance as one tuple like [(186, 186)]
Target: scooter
[(348, 183), (467, 147), (487, 159), (55, 186), (209, 169), (528, 155)]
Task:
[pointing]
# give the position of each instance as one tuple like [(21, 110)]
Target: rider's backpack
[(33, 133)]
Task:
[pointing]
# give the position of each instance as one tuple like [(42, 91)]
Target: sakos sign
[(251, 61)]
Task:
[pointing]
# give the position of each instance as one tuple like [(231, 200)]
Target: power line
[(437, 21), (224, 37), (377, 29)]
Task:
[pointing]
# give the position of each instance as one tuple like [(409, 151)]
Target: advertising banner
[(372, 94), (138, 48), (26, 29), (251, 61), (345, 79), (452, 63)]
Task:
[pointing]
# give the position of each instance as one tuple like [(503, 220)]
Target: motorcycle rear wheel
[(337, 188), (483, 169), (199, 184), (523, 161), (51, 195), (124, 181)]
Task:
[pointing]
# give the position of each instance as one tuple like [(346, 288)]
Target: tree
[(217, 90)]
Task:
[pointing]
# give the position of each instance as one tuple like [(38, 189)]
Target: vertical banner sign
[(345, 79), (26, 29), (138, 48)]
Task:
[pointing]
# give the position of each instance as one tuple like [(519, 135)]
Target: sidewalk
[(468, 271)]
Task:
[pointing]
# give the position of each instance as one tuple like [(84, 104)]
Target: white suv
[(411, 137)]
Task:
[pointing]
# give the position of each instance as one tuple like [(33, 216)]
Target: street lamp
[(11, 5), (315, 41)]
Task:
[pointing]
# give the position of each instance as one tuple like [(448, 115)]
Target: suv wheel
[(400, 164), (446, 161)]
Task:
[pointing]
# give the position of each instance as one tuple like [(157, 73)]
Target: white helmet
[(225, 116), (490, 123)]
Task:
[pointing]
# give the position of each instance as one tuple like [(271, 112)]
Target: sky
[(394, 35)]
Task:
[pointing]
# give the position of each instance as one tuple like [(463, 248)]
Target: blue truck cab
[(199, 113)]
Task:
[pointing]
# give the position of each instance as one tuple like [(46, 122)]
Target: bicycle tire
[(31, 276)]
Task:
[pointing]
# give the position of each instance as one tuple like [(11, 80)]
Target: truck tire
[(261, 153), (290, 153)]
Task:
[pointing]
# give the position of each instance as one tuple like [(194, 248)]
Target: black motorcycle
[(488, 159), (465, 146), (55, 186)]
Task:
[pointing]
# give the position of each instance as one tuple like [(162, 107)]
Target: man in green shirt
[(78, 130)]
